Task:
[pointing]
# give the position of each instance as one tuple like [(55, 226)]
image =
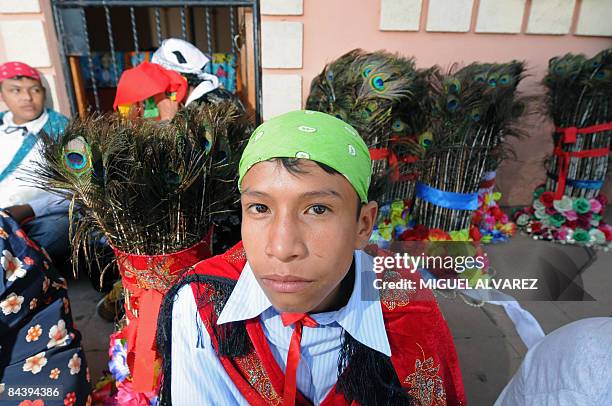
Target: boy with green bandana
[(284, 317)]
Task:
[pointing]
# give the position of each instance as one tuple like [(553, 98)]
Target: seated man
[(43, 216), (570, 366), (288, 316), (149, 91)]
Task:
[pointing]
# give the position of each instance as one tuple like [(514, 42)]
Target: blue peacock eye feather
[(76, 160), (378, 83), (426, 139), (341, 114), (475, 115), (398, 126), (330, 76), (366, 72), (480, 78), (452, 103), (77, 156), (504, 79)]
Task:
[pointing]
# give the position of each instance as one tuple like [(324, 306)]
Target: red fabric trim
[(568, 136), (145, 299), (487, 184), (417, 332), (377, 154)]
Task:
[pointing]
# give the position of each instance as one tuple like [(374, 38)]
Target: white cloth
[(527, 327), (198, 378), (208, 84), (572, 366), (13, 189), (181, 56)]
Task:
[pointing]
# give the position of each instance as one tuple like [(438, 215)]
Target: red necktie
[(293, 356)]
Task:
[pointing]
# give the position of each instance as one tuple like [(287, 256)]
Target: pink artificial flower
[(571, 215), (595, 205)]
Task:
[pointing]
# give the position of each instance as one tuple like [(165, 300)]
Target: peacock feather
[(579, 95), (472, 111), (150, 188)]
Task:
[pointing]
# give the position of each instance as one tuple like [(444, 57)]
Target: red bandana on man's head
[(10, 70), (146, 80)]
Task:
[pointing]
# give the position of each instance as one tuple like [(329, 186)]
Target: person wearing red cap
[(43, 216), (150, 91)]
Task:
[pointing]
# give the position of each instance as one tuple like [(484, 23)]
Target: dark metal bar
[(183, 24), (232, 28), (134, 31), (94, 85), (257, 62), (59, 32), (155, 3), (208, 31), (109, 29), (158, 26)]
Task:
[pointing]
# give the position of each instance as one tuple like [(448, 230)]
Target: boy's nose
[(285, 241)]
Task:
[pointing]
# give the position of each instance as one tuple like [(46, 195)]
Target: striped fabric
[(199, 378)]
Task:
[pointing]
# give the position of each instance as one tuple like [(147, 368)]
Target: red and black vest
[(423, 369)]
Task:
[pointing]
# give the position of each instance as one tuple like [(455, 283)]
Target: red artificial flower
[(602, 199), (584, 222), (607, 230), (497, 213), (475, 233), (547, 198), (477, 218), (418, 233), (550, 211), (435, 234), (536, 227), (572, 224)]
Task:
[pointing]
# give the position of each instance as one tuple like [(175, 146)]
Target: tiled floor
[(489, 349)]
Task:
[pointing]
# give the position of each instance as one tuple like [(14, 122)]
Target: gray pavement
[(489, 349)]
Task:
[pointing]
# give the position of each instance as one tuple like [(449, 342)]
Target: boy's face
[(299, 232), (25, 98)]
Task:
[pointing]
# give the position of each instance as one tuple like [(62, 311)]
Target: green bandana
[(315, 136)]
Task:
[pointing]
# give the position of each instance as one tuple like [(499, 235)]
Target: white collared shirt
[(198, 376), (13, 189)]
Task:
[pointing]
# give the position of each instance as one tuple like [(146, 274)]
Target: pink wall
[(333, 27)]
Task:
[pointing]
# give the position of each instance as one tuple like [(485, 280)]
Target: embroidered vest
[(424, 360)]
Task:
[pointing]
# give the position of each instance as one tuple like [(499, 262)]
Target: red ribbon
[(485, 184), (377, 154), (568, 136), (147, 278), (294, 354)]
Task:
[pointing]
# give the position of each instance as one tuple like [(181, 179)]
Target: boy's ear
[(367, 217)]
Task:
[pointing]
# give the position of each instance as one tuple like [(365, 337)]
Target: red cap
[(10, 70), (146, 80)]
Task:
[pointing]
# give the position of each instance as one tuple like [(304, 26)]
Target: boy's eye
[(258, 208), (318, 209)]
